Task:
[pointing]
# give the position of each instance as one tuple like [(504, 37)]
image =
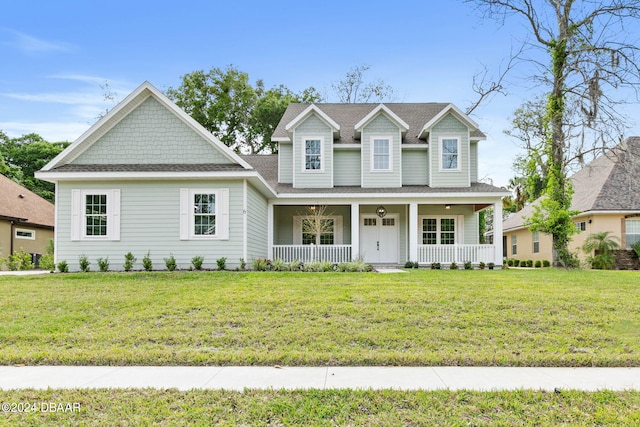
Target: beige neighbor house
[(26, 220), (399, 183), (607, 195)]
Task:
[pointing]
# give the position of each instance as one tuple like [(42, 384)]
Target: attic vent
[(21, 196)]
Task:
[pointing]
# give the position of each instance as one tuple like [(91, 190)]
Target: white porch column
[(413, 232), (269, 231), (497, 232), (355, 230)]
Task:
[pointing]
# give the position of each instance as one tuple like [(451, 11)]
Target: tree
[(353, 88), (588, 63), (602, 246), (241, 115)]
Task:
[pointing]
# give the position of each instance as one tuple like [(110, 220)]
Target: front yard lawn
[(423, 317)]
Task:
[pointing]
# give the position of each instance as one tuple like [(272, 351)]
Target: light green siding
[(312, 127), (461, 213), (283, 222), (415, 167), (257, 226), (285, 163), (381, 126), (347, 167), (474, 161), (449, 126), (151, 134), (150, 220)]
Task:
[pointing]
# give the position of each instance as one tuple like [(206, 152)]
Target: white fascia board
[(347, 146), (415, 146), (381, 108), (449, 108), (281, 139), (477, 138), (310, 110), (396, 198)]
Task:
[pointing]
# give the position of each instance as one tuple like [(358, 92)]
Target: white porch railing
[(446, 254), (308, 253)]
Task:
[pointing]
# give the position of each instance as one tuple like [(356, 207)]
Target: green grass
[(489, 318), (326, 408)]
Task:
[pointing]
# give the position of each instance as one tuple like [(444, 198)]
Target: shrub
[(46, 262), (529, 263), (262, 264), (491, 265), (170, 262), (481, 265), (604, 261), (129, 260), (546, 263), (147, 264), (20, 260), (436, 266), (197, 261), (222, 263), (411, 264), (63, 267), (84, 263), (295, 265), (280, 265), (516, 263), (636, 248), (538, 264), (510, 262), (103, 264), (453, 266), (468, 265), (243, 264)]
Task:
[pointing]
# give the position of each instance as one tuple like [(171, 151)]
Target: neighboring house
[(26, 220), (607, 195), (399, 183)]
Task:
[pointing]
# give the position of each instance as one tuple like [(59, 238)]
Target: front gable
[(381, 165), (313, 153), (449, 153)]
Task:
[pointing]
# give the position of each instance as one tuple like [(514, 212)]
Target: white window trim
[(626, 231), (514, 243), (372, 154), (535, 238), (338, 229), (78, 218), (580, 227), (458, 228), (304, 154), (22, 230), (440, 153), (187, 214)]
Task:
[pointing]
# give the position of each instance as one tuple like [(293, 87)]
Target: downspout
[(11, 237)]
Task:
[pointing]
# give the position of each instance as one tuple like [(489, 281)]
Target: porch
[(383, 233)]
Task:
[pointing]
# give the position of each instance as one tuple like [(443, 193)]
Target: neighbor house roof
[(19, 204), (611, 182), (347, 116)]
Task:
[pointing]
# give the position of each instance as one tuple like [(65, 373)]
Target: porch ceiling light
[(447, 207), (381, 211)]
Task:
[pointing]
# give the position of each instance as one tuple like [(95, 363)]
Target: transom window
[(381, 154), (204, 214), (450, 151), (438, 231), (370, 222), (25, 234), (95, 215), (632, 226), (313, 154)]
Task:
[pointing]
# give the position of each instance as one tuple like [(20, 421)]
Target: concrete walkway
[(241, 377)]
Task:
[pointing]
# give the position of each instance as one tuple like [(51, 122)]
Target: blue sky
[(55, 56)]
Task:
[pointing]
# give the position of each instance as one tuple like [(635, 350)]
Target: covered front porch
[(382, 232)]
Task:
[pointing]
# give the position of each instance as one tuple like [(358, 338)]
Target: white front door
[(379, 239)]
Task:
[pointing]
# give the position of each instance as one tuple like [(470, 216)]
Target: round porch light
[(381, 211)]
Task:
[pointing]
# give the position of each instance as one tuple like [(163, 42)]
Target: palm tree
[(602, 245)]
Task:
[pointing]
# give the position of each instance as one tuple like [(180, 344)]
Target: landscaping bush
[(46, 260), (468, 265), (197, 261), (481, 265), (84, 263), (453, 266), (491, 265), (147, 264), (280, 265), (436, 266), (261, 264), (510, 262), (546, 263), (243, 264), (222, 263), (20, 260), (529, 263), (103, 264), (538, 264), (129, 260), (295, 265), (636, 248), (516, 263), (411, 264), (63, 267), (170, 263)]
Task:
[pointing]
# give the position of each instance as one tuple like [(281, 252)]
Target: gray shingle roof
[(156, 167), (611, 182), (267, 167), (416, 115), (17, 202)]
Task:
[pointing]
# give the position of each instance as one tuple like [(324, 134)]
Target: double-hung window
[(204, 214), (536, 242), (449, 154), (313, 154), (438, 231), (310, 230), (381, 154), (95, 214), (514, 244), (632, 235)]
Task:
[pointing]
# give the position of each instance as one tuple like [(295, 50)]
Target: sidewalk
[(241, 377)]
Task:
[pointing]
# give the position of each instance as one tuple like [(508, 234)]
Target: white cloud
[(30, 44)]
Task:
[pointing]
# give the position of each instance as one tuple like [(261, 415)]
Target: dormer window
[(450, 154), (381, 154), (313, 154)]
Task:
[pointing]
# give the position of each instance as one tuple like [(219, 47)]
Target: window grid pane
[(312, 153), (449, 154), (632, 227), (96, 214), (204, 219), (381, 154), (429, 231)]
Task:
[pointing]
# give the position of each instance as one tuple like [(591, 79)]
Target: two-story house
[(396, 183)]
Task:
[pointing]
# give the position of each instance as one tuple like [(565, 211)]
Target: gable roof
[(610, 182), (347, 116), (19, 204), (311, 109), (122, 110), (381, 109)]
